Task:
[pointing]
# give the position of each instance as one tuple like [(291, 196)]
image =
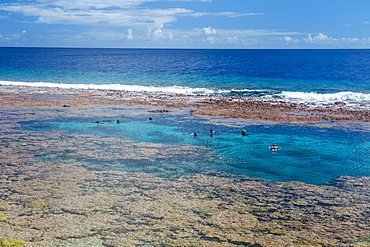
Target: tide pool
[(309, 154)]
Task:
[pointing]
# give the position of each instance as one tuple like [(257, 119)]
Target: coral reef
[(51, 194), (241, 107)]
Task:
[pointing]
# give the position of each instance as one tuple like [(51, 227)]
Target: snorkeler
[(193, 134), (274, 148), (244, 133), (108, 121)]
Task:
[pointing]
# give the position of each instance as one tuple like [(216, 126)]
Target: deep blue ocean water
[(309, 154), (302, 75)]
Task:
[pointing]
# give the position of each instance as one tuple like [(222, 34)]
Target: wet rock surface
[(241, 107)]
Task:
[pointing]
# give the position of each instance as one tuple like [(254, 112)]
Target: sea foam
[(170, 89), (324, 98), (301, 97)]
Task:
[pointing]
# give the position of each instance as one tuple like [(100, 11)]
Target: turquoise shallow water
[(309, 154)]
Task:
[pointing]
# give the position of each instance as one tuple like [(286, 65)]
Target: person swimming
[(274, 148), (244, 133), (193, 134), (211, 132), (108, 122)]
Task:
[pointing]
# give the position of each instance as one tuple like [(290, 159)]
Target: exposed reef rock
[(241, 107), (52, 194)]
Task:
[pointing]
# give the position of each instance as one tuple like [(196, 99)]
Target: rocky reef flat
[(50, 195), (211, 105)]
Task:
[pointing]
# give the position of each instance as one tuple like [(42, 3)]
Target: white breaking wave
[(136, 88), (300, 97), (324, 98)]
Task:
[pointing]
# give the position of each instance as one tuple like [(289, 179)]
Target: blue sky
[(250, 24)]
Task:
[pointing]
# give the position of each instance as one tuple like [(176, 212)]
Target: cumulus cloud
[(319, 37), (209, 30), (324, 41), (158, 34), (130, 35), (209, 36)]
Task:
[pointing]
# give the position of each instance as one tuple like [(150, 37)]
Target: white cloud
[(158, 34), (210, 39), (207, 37), (133, 16), (14, 36), (209, 30), (127, 13), (130, 35), (319, 37), (288, 38), (116, 17), (96, 4), (225, 14), (324, 41), (116, 23)]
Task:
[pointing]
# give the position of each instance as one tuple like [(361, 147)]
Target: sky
[(229, 24)]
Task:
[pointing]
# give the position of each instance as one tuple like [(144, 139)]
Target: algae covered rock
[(11, 243)]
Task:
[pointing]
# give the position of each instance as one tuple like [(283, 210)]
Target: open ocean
[(310, 154), (300, 75)]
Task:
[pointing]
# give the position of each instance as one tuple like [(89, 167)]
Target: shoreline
[(211, 105)]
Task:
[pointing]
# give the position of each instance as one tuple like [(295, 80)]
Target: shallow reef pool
[(308, 154)]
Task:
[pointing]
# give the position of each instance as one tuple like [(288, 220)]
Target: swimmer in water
[(193, 134), (244, 133), (211, 132), (108, 122), (274, 148)]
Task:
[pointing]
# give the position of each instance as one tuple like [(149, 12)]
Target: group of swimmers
[(273, 148), (211, 133)]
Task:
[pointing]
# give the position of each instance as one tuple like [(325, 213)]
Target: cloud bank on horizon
[(185, 23)]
